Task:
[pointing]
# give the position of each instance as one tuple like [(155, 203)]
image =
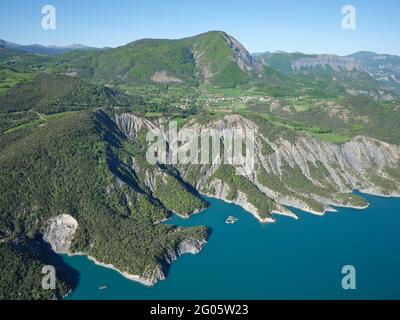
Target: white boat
[(231, 220), (103, 287)]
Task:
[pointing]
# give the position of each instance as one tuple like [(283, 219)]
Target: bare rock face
[(324, 61), (243, 58), (153, 275), (204, 71), (130, 125), (163, 77), (188, 245), (59, 232), (362, 163)]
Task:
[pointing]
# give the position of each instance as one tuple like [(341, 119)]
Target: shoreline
[(129, 276), (290, 214), (188, 215), (261, 220), (377, 194), (133, 277)]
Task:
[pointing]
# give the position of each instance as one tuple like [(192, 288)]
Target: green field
[(320, 133), (332, 138), (38, 122), (9, 79)]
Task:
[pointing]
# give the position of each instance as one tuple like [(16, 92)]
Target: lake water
[(288, 259)]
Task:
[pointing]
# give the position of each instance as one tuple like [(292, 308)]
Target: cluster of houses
[(213, 100)]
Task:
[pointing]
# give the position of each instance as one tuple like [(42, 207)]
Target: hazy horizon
[(258, 52), (286, 25)]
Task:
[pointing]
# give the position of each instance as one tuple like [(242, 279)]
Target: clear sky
[(309, 26)]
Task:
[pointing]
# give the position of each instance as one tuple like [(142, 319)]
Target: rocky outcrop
[(131, 125), (208, 65), (59, 232), (204, 71), (153, 275), (243, 58), (163, 77)]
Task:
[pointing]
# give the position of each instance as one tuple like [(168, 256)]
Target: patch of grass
[(302, 107), (9, 79), (237, 105), (333, 138), (37, 122), (153, 114), (180, 120), (323, 134), (227, 92)]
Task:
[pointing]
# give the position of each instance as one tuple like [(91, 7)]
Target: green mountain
[(47, 93), (213, 57), (46, 50)]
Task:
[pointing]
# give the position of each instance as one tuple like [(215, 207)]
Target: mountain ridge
[(47, 50), (217, 58)]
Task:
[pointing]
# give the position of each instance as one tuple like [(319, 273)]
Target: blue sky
[(261, 25)]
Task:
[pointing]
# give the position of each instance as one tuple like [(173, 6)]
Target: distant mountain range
[(47, 50), (217, 58), (384, 68)]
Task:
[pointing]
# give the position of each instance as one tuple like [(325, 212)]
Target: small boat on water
[(231, 220), (103, 287)]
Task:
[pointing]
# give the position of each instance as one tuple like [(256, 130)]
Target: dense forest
[(66, 167), (21, 277)]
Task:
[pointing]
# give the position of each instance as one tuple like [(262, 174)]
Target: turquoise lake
[(289, 259)]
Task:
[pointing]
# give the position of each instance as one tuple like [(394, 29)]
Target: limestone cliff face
[(243, 58), (130, 125), (301, 171), (352, 165), (325, 61), (207, 65), (59, 232), (189, 245)]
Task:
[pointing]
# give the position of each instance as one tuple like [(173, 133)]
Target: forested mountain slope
[(80, 165)]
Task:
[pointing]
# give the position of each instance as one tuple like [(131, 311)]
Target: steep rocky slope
[(383, 67), (290, 169)]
